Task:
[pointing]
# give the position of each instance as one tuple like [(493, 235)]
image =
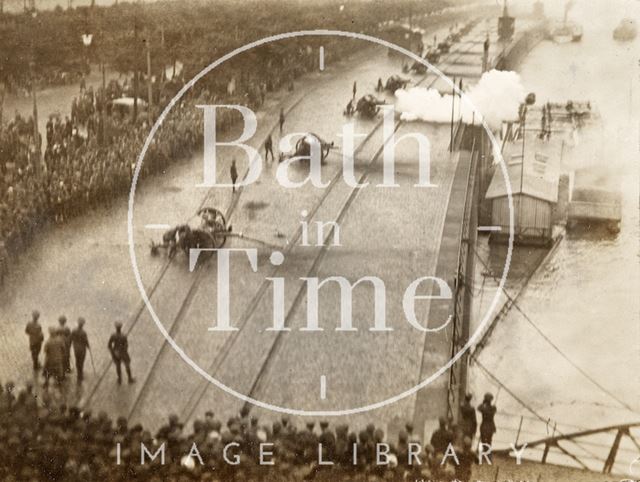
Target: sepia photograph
[(331, 240)]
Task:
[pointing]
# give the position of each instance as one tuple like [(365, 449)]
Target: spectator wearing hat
[(468, 422), (34, 332), (119, 349), (487, 426), (328, 441), (80, 343), (442, 437), (54, 356), (466, 459), (65, 333), (308, 444)]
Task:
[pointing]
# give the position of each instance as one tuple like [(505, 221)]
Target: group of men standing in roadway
[(58, 346)]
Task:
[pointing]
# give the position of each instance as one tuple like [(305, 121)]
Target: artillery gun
[(211, 233), (396, 82), (303, 147), (368, 106), (432, 56)]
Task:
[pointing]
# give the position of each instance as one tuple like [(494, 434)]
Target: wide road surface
[(83, 269)]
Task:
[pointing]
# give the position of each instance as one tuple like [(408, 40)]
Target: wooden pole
[(149, 89), (135, 69), (36, 133), (453, 102)]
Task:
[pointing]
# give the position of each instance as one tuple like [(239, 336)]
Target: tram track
[(198, 395), (156, 282), (193, 285)]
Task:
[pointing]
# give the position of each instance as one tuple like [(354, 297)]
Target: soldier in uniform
[(488, 426), (80, 343), (119, 349), (34, 331), (65, 332)]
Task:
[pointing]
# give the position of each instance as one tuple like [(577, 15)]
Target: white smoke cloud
[(496, 98)]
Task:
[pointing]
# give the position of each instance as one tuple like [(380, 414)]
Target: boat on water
[(596, 200), (626, 30), (565, 32)]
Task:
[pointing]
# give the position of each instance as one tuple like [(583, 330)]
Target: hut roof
[(536, 185)]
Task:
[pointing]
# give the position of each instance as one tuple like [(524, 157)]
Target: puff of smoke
[(496, 97)]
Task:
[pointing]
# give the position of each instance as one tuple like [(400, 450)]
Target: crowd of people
[(86, 159), (43, 439), (243, 449)]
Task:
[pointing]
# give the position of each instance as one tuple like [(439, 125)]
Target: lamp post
[(37, 161), (87, 38), (135, 67)]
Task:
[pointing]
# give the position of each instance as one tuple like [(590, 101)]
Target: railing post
[(608, 465), (546, 452), (518, 433)]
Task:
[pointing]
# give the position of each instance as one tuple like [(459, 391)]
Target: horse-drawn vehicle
[(211, 233)]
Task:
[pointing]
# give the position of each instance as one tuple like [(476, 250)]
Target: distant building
[(534, 197)]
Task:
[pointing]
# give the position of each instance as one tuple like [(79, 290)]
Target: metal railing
[(613, 435), (457, 379)]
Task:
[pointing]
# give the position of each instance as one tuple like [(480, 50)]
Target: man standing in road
[(34, 332), (281, 119), (65, 333), (119, 349), (234, 174), (268, 149), (80, 343)]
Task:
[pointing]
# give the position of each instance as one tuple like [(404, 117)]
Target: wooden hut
[(534, 196)]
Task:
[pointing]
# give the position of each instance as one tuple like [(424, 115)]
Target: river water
[(585, 300)]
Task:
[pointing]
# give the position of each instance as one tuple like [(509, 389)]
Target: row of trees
[(37, 43)]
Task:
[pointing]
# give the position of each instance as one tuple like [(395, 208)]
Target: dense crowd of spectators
[(81, 168), (41, 439), (87, 159)]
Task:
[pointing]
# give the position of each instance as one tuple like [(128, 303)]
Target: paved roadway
[(390, 233)]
